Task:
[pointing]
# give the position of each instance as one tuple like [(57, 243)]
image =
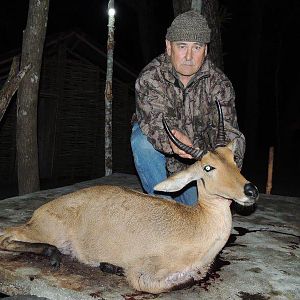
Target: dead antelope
[(159, 244)]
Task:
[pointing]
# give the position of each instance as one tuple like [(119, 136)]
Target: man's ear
[(205, 49), (168, 47)]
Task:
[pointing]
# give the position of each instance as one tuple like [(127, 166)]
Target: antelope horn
[(195, 153), (221, 136)]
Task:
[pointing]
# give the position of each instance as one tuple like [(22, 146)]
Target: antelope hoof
[(54, 255), (112, 269)]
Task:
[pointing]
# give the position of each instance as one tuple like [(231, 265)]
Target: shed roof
[(79, 45)]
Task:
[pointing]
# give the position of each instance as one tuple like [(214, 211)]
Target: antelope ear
[(178, 181), (232, 145)]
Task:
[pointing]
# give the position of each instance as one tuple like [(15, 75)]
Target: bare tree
[(26, 138)]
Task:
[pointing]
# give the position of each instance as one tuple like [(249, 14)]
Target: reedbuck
[(159, 244)]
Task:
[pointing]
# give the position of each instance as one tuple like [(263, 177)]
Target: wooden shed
[(71, 113)]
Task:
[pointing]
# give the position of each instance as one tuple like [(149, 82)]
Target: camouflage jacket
[(191, 110)]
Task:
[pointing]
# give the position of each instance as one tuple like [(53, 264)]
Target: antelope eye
[(208, 168)]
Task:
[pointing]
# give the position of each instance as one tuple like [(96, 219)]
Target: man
[(182, 86)]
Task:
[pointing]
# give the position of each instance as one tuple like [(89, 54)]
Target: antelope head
[(215, 171)]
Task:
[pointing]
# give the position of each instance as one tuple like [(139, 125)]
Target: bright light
[(111, 12)]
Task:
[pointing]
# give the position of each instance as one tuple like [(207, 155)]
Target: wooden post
[(108, 89), (270, 171)]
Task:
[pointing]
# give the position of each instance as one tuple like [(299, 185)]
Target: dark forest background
[(260, 53)]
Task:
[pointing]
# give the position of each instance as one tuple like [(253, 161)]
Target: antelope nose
[(251, 190)]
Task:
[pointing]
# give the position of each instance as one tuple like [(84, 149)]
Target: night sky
[(90, 17), (259, 37)]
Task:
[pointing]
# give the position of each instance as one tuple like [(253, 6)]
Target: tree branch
[(12, 84)]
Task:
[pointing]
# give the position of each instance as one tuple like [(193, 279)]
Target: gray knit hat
[(190, 26)]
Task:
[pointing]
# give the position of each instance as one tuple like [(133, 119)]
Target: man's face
[(186, 57)]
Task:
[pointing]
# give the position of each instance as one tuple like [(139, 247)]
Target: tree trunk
[(210, 9), (109, 93), (181, 6), (26, 136)]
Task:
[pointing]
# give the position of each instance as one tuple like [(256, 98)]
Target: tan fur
[(160, 243)]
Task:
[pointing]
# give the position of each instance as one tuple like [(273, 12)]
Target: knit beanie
[(190, 26)]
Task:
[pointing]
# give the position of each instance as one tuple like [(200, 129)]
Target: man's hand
[(184, 139)]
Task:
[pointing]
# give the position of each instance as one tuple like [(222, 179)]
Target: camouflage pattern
[(191, 110)]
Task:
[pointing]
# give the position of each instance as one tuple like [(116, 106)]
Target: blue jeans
[(151, 168)]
